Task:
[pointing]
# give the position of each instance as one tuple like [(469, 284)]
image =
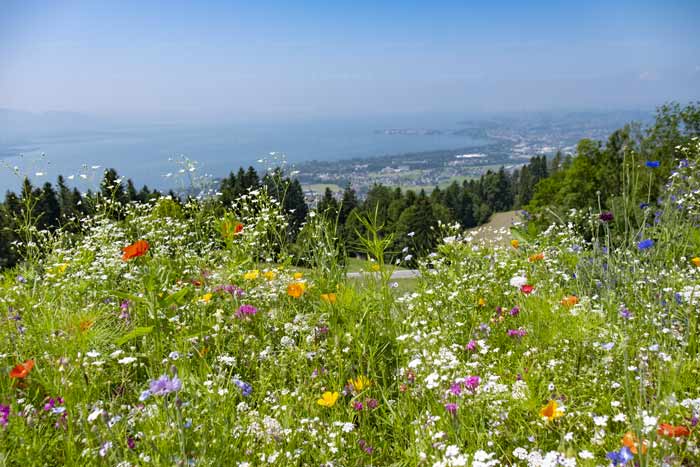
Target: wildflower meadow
[(189, 335)]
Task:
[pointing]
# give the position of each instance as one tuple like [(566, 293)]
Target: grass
[(200, 352)]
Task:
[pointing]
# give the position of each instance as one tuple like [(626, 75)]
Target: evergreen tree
[(328, 205)]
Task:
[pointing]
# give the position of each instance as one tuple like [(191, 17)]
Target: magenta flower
[(472, 382), (471, 346), (451, 407), (245, 311), (4, 414), (517, 333), (357, 405), (456, 389)]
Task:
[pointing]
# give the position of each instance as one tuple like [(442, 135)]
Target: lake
[(142, 153)]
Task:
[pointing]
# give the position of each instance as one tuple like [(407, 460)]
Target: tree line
[(594, 176)]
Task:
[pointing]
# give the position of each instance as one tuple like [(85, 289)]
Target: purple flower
[(606, 216), (245, 311), (472, 382), (514, 311), (456, 389), (4, 414), (365, 447), (357, 405), (625, 313), (130, 442), (164, 385), (517, 332), (372, 403), (21, 279), (471, 346), (106, 446), (451, 407), (645, 244), (229, 288), (246, 389)]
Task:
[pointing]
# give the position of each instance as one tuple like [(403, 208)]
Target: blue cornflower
[(165, 385), (653, 164), (645, 244), (246, 389), (621, 457)]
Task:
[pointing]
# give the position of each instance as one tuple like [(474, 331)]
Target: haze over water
[(142, 153)]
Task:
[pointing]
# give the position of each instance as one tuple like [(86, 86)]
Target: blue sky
[(237, 60)]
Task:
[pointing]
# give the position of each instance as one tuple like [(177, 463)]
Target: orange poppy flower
[(22, 370), (666, 429), (135, 249), (551, 411), (238, 229), (296, 289), (569, 301), (86, 324), (536, 257), (630, 440)]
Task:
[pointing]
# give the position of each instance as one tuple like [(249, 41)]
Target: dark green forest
[(632, 164)]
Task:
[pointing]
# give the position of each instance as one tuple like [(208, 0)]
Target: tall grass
[(212, 349)]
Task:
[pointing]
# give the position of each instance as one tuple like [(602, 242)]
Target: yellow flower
[(328, 399), (514, 243), (375, 267), (296, 289), (328, 298), (696, 262), (205, 298), (360, 383), (251, 275), (59, 269), (482, 302), (269, 275), (551, 411), (298, 275)]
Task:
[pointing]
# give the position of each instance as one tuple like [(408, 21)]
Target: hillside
[(183, 335)]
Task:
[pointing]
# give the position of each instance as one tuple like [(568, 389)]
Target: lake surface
[(142, 153)]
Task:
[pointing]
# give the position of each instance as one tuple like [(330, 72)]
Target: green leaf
[(520, 235), (137, 332)]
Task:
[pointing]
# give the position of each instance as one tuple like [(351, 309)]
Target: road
[(400, 274)]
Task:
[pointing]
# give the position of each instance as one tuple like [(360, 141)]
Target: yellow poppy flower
[(328, 399), (206, 298), (328, 298), (551, 411), (360, 383), (251, 275), (514, 243), (696, 262), (269, 275), (298, 275)]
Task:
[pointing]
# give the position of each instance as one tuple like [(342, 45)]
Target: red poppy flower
[(135, 249), (666, 429), (238, 229), (22, 370), (527, 288)]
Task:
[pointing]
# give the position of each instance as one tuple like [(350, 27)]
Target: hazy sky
[(330, 58)]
